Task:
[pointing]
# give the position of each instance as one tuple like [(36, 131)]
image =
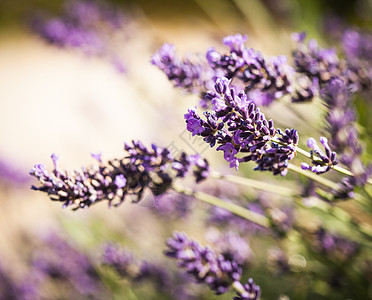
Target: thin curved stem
[(324, 181), (231, 207), (258, 185), (321, 207)]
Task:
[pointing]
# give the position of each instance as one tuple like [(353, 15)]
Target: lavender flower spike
[(203, 263), (238, 126), (89, 26), (140, 168), (248, 291), (326, 160)]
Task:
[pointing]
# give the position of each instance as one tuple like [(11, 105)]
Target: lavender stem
[(234, 208), (324, 181), (259, 185)]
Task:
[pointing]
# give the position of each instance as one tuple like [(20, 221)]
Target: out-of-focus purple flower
[(335, 246), (141, 168), (221, 217), (327, 159), (248, 291), (231, 245), (27, 288), (203, 263), (344, 138), (88, 26), (244, 128), (57, 259), (173, 206), (140, 271), (10, 174), (235, 42), (357, 46), (278, 260), (120, 259)]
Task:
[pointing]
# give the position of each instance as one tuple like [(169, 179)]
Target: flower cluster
[(9, 174), (327, 160), (75, 267), (237, 125), (264, 79), (344, 137), (248, 291), (10, 288), (216, 270), (172, 205), (271, 77), (138, 271), (334, 245), (141, 168), (358, 48), (190, 73), (316, 62), (88, 26)]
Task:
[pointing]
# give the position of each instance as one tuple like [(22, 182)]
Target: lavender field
[(186, 149)]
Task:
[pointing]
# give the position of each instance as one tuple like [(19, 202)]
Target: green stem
[(258, 185), (322, 206), (231, 207), (324, 181)]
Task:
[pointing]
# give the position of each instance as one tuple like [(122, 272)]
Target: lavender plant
[(231, 87), (92, 27)]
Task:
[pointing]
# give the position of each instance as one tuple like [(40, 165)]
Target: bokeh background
[(59, 101)]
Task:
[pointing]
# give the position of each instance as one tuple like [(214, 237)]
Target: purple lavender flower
[(173, 206), (278, 259), (344, 138), (10, 174), (58, 259), (241, 127), (140, 271), (231, 245), (26, 289), (334, 245), (248, 291), (120, 259), (255, 73), (141, 168), (191, 74), (235, 42), (88, 26), (358, 46), (229, 151), (314, 61), (203, 263), (326, 160), (221, 217)]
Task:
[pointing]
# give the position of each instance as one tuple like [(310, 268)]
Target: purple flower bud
[(305, 166), (229, 151), (97, 156), (311, 143), (194, 126), (120, 181)]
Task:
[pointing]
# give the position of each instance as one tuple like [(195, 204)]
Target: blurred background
[(55, 100)]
